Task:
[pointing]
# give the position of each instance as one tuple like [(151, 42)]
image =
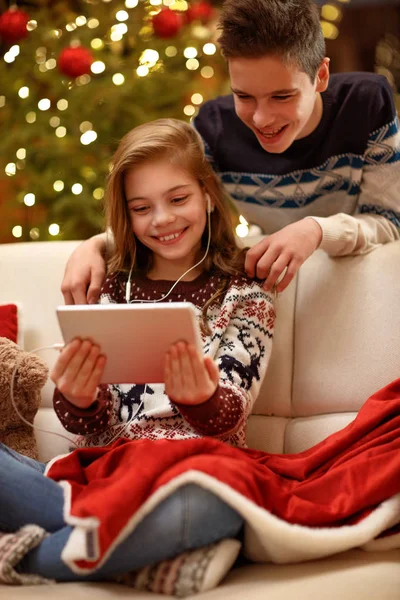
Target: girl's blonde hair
[(180, 144)]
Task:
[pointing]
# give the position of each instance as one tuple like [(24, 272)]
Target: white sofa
[(337, 341)]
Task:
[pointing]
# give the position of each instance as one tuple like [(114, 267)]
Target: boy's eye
[(243, 97), (282, 97)]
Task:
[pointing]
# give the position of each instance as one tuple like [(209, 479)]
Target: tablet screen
[(134, 337)]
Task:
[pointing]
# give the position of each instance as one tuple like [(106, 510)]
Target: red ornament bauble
[(167, 23), (200, 11), (75, 62), (13, 25)]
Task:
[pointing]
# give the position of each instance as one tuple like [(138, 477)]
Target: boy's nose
[(263, 118)]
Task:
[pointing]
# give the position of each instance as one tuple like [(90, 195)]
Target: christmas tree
[(75, 77)]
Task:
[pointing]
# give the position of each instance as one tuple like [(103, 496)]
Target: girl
[(173, 241)]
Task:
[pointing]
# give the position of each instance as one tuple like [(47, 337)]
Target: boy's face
[(277, 101)]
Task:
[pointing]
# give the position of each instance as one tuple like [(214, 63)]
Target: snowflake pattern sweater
[(240, 343), (345, 174)]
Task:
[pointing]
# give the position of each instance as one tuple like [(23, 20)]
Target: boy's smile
[(277, 100)]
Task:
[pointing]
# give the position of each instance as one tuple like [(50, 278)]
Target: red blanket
[(340, 494)]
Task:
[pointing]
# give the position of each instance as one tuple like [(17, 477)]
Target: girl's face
[(168, 214)]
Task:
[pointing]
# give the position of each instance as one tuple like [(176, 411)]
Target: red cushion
[(9, 322)]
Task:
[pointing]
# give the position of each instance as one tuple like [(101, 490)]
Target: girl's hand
[(78, 371), (190, 377)]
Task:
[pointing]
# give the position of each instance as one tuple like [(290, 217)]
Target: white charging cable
[(17, 365), (64, 437)]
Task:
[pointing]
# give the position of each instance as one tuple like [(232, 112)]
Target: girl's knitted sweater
[(240, 342)]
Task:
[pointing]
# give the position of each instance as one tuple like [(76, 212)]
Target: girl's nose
[(163, 216)]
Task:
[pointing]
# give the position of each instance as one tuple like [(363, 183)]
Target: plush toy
[(30, 378)]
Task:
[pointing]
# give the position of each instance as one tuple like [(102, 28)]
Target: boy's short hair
[(290, 29)]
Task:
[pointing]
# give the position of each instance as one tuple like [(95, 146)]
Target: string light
[(2, 101), (44, 104), (209, 48), (97, 44), (30, 117), (171, 51), (149, 57), (54, 229), (21, 153), (131, 3), (122, 15), (189, 110), (17, 231), (81, 20), (93, 23), (98, 193), (29, 199), (85, 126), (8, 57), (10, 169), (34, 233), (98, 67), (142, 71), (51, 63), (192, 64), (207, 72), (62, 104), (329, 30), (77, 189), (190, 52), (58, 185), (330, 12), (61, 132), (118, 79), (23, 92), (87, 138), (197, 98)]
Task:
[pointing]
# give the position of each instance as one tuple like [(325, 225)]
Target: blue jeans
[(190, 518)]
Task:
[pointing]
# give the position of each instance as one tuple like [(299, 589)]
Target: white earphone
[(209, 207)]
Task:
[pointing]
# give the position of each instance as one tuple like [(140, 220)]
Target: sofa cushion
[(9, 321), (347, 330)]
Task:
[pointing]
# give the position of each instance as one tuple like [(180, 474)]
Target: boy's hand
[(290, 247), (85, 272), (78, 371), (190, 378)]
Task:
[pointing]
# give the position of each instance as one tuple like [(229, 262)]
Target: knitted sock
[(13, 547), (189, 573)]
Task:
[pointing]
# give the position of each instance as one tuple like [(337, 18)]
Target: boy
[(313, 159)]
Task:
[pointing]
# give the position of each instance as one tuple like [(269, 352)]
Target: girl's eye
[(179, 200), (140, 209)]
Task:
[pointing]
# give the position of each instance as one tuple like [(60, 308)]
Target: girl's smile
[(168, 215)]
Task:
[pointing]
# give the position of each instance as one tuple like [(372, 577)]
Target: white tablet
[(134, 337)]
